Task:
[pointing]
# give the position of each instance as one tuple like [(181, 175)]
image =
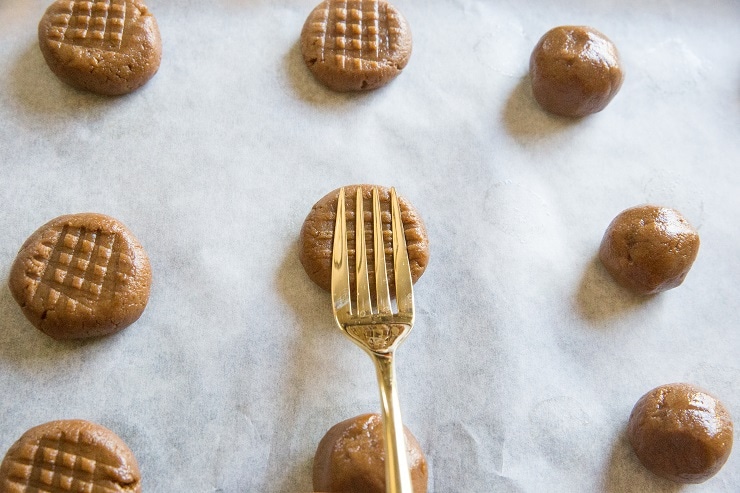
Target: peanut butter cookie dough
[(575, 71), (355, 45), (649, 249), (317, 235), (681, 433), (108, 47), (70, 455), (351, 458), (81, 275)]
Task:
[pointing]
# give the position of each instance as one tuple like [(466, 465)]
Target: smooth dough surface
[(681, 433), (351, 458), (649, 249), (575, 71)]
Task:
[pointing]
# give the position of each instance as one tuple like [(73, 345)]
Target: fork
[(378, 331)]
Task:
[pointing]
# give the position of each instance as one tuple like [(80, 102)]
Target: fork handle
[(397, 476)]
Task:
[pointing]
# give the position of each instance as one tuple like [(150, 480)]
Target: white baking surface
[(526, 358)]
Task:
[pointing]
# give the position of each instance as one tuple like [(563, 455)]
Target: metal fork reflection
[(380, 330)]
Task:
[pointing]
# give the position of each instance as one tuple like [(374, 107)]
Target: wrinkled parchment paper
[(526, 358)]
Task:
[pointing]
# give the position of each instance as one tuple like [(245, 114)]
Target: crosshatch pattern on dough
[(76, 269), (355, 34), (62, 463), (88, 24)]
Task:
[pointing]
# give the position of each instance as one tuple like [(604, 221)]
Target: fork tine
[(404, 289), (381, 275), (340, 290), (364, 306)]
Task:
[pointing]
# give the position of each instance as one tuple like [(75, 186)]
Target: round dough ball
[(70, 455), (575, 71), (681, 433), (108, 48), (317, 236), (81, 275), (351, 457), (355, 46), (649, 249)]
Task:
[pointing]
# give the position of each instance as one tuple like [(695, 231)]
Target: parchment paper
[(526, 358)]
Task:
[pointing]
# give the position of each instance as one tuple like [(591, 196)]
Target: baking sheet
[(525, 360)]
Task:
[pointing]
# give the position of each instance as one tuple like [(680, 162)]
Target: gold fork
[(379, 332)]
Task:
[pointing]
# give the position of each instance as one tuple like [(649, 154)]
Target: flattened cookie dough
[(317, 235), (575, 71), (351, 458), (355, 45), (107, 47), (81, 275), (649, 249), (681, 433), (69, 455)]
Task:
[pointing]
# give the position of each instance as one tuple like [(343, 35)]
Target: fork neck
[(397, 476)]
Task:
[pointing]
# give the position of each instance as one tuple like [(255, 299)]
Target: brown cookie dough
[(317, 236), (649, 249), (69, 455), (351, 458), (575, 71), (81, 275), (108, 47), (355, 45), (681, 433)]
